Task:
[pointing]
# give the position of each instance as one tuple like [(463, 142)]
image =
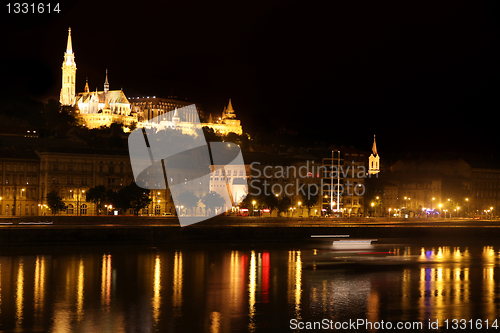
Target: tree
[(309, 201), (132, 197), (55, 202), (284, 204), (187, 199), (270, 201), (97, 195), (212, 201)]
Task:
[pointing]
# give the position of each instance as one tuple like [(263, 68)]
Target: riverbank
[(151, 230)]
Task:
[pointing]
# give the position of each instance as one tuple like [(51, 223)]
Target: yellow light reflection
[(252, 287), (177, 297), (295, 281), (106, 280), (156, 289), (19, 293), (489, 283), (215, 321), (39, 288), (80, 292), (372, 307), (234, 280)]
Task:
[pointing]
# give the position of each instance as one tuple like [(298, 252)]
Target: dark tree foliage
[(97, 195), (55, 202)]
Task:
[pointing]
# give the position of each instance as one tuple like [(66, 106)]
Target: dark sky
[(419, 75)]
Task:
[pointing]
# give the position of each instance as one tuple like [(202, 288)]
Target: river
[(246, 287)]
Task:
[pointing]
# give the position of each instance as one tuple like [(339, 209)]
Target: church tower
[(374, 160), (67, 96)]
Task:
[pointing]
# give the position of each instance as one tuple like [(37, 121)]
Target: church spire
[(69, 46), (229, 107), (106, 83), (67, 95), (228, 112), (374, 160), (87, 85)]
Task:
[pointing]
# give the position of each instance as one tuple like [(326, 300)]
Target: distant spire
[(374, 148), (87, 85), (176, 119), (106, 83), (69, 47), (229, 107), (228, 112)]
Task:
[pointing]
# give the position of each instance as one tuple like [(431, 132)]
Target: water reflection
[(177, 284), (249, 290), (20, 293), (295, 281), (156, 289)]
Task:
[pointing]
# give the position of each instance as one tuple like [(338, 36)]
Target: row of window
[(21, 167), (87, 168), (18, 180), (70, 181), (20, 193), (28, 209)]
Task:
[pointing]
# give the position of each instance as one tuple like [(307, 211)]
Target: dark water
[(247, 288)]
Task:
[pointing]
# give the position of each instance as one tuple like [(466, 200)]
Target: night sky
[(422, 76)]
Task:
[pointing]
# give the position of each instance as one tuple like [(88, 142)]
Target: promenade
[(157, 230)]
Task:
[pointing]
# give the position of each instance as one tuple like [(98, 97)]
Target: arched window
[(83, 209), (70, 209)]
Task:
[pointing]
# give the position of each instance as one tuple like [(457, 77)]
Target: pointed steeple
[(228, 112), (230, 107), (69, 46), (67, 95), (106, 83), (87, 85), (176, 119), (374, 160)]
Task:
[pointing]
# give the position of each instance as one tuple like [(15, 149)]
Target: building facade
[(19, 183)]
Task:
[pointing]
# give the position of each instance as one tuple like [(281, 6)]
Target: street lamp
[(468, 206), (299, 205), (253, 209)]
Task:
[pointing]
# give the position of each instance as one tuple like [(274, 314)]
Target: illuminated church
[(102, 108), (95, 108)]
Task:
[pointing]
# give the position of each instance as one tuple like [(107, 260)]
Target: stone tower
[(67, 96)]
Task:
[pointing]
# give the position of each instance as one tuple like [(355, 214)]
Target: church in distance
[(102, 108)]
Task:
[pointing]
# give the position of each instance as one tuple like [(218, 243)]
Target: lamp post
[(432, 204), (299, 203), (253, 208), (468, 207), (441, 209), (78, 208), (22, 195)]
